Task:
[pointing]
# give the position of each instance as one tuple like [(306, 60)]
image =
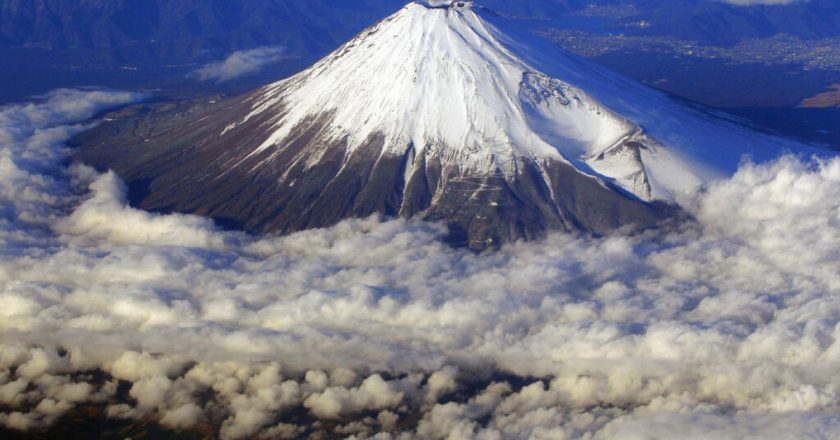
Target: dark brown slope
[(174, 160)]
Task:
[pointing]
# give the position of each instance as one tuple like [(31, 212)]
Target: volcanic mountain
[(443, 111)]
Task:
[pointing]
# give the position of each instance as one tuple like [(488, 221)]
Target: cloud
[(106, 217), (239, 64), (725, 328), (373, 394)]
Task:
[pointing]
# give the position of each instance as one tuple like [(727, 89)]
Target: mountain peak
[(444, 113), (444, 4), (447, 83)]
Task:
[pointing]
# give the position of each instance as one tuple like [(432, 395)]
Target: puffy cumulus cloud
[(727, 327), (184, 416), (373, 394), (133, 366), (106, 217), (239, 63)]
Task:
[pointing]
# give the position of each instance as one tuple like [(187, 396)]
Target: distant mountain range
[(191, 32), (718, 22), (187, 30), (159, 29)]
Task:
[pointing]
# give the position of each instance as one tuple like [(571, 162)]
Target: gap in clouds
[(726, 329)]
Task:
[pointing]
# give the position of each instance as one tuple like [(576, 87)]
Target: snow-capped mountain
[(436, 79), (443, 111)]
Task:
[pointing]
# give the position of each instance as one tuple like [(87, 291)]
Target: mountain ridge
[(436, 112)]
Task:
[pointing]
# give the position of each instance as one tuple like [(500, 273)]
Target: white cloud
[(106, 216), (185, 416), (373, 394), (239, 64), (724, 328)]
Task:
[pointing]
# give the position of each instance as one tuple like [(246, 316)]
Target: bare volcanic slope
[(442, 111)]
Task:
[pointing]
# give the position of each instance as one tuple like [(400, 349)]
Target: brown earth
[(175, 160), (827, 99)]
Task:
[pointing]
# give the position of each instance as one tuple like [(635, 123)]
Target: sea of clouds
[(726, 329)]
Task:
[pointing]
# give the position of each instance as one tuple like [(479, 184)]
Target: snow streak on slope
[(449, 77)]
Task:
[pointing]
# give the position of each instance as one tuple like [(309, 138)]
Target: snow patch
[(446, 76)]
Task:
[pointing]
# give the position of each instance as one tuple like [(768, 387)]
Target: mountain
[(721, 22), (443, 111), (168, 29)]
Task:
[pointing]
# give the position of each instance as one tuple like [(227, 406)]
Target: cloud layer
[(239, 64), (727, 328)]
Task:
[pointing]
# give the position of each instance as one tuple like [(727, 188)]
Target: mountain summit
[(442, 111)]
